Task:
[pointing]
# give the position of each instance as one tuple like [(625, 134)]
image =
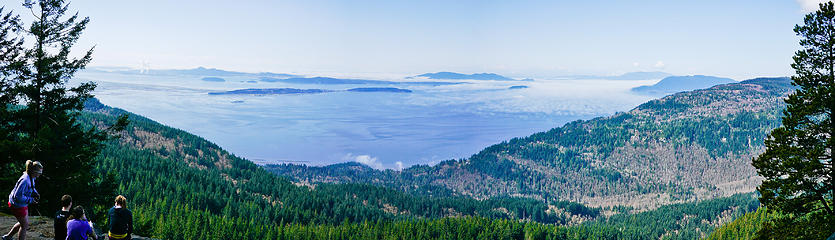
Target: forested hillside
[(688, 146), (744, 227), (179, 182), (181, 186)]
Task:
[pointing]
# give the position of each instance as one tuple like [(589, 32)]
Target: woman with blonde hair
[(21, 196), (120, 220)]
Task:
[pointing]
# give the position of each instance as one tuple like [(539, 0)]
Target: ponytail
[(32, 166)]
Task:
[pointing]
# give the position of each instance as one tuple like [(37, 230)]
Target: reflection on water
[(432, 124)]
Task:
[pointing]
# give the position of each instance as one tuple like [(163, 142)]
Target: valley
[(689, 146)]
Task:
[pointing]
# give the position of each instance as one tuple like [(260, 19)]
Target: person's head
[(34, 168), (121, 201), (77, 213), (66, 201)]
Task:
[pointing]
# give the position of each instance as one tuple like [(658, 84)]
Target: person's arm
[(130, 223), (56, 226), (109, 218), (91, 232)]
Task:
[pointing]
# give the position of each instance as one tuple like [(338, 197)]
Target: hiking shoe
[(6, 237)]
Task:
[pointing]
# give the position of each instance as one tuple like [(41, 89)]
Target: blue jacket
[(22, 194)]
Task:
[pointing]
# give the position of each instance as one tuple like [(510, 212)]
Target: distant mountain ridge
[(625, 76), (676, 84), (461, 76), (198, 71), (687, 146)]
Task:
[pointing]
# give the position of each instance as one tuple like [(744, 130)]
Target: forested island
[(344, 81), (284, 91), (393, 90), (461, 76), (213, 79), (268, 91)]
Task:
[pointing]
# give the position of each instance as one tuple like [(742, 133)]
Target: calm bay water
[(383, 130)]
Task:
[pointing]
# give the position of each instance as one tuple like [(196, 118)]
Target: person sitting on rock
[(78, 228), (120, 220), (61, 217)]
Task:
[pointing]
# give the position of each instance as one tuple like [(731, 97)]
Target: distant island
[(461, 76), (284, 91), (340, 81), (213, 79), (676, 84), (265, 91), (324, 80), (518, 87), (394, 90)]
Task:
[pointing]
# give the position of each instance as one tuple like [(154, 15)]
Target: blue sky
[(737, 39)]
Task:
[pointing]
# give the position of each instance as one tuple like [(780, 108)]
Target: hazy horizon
[(382, 130), (739, 40)]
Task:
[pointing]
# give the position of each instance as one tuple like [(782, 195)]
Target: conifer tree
[(11, 46), (43, 109), (797, 164)]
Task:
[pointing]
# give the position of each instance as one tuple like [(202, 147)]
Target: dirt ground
[(40, 227)]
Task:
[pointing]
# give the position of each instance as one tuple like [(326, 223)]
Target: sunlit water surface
[(383, 130)]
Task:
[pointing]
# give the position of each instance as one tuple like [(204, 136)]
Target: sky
[(737, 39)]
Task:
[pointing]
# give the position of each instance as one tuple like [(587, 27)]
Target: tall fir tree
[(44, 110), (797, 164), (11, 46)]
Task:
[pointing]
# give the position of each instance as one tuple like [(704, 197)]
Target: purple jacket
[(21, 195), (78, 229)]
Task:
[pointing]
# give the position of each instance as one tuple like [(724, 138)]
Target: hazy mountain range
[(625, 76), (199, 71), (676, 84), (461, 76)]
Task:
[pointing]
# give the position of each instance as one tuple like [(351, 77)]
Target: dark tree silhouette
[(797, 164), (11, 48), (41, 110)]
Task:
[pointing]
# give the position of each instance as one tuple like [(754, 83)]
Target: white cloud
[(636, 64), (366, 160), (399, 165), (659, 64), (810, 5)]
